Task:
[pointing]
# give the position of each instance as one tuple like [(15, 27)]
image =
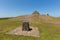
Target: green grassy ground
[(47, 31)]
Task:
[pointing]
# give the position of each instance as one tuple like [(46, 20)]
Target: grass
[(47, 31), (5, 18)]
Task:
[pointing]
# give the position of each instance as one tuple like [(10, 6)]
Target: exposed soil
[(18, 31)]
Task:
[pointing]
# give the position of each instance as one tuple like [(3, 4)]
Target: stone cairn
[(25, 26), (36, 13)]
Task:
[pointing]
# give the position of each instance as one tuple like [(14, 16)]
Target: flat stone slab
[(18, 31)]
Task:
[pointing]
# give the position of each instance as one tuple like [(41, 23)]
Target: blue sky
[(11, 8)]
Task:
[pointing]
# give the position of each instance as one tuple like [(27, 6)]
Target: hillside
[(36, 17), (49, 27)]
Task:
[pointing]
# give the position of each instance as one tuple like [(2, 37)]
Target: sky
[(12, 8)]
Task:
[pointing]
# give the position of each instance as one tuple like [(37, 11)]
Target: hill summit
[(36, 17), (36, 13)]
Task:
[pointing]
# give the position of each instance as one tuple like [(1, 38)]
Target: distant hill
[(36, 17)]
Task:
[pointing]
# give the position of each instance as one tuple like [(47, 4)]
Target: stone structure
[(36, 13), (25, 26), (47, 14)]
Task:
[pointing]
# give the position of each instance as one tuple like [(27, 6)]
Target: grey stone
[(25, 26)]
